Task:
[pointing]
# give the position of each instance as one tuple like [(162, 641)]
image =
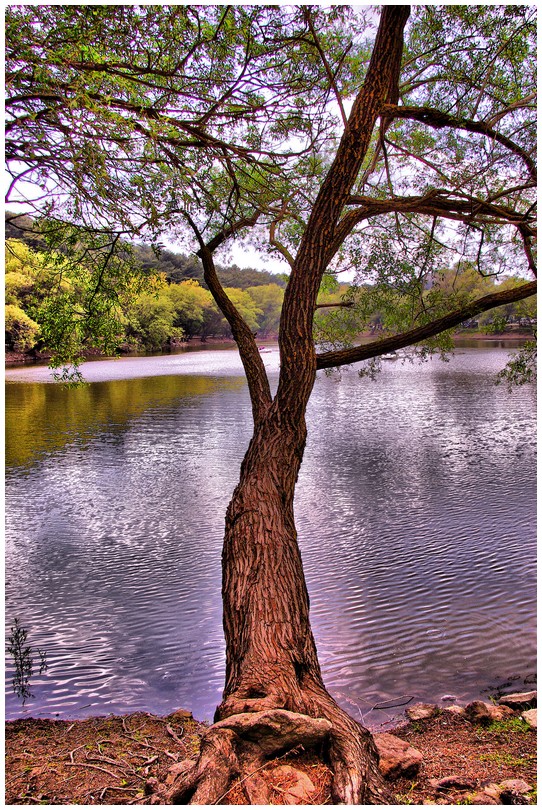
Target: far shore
[(12, 359)]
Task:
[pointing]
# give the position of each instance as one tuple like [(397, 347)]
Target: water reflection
[(415, 514), (79, 413)]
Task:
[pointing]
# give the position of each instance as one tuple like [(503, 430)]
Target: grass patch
[(510, 724), (505, 758), (408, 797)]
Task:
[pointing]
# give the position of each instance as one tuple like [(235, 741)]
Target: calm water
[(415, 510)]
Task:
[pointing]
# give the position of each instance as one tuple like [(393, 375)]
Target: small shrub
[(23, 658)]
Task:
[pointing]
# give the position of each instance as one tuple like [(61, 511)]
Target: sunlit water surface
[(415, 509)]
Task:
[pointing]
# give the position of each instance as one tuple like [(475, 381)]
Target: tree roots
[(235, 751)]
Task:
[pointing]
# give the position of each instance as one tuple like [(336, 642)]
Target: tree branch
[(295, 341), (273, 241), (258, 383), (344, 357), (437, 119), (345, 304), (331, 78), (436, 203)]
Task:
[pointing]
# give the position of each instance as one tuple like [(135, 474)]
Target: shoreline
[(437, 756)]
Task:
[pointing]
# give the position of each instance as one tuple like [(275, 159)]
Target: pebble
[(422, 711), (530, 717)]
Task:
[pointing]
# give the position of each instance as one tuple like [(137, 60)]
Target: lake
[(415, 509)]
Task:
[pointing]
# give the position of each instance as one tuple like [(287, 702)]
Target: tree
[(151, 320), (268, 298), (21, 331), (191, 303), (217, 121)]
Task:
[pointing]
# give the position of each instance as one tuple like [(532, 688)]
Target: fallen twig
[(139, 742), (72, 752), (124, 789), (174, 735), (95, 767)]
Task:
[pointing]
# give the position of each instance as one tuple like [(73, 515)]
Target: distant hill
[(176, 267), (22, 227)]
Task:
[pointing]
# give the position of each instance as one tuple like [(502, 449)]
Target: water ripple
[(415, 510)]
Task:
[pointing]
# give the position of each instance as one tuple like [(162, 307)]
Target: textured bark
[(274, 697)]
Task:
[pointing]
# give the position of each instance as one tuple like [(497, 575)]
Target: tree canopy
[(154, 121), (393, 154)]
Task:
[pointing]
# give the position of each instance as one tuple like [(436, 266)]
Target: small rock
[(298, 791), (422, 711), (459, 710), (530, 717), (454, 782), (486, 713), (396, 757), (519, 700), (182, 714), (448, 698), (483, 798), (515, 785)]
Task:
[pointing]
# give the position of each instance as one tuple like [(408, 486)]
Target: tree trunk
[(274, 697), (270, 652)]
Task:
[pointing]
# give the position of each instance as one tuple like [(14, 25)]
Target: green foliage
[(150, 321), (506, 758), (20, 258), (268, 299), (191, 304), (247, 307), (495, 325), (521, 367), (21, 331), (75, 313), (512, 725), (18, 288), (135, 150)]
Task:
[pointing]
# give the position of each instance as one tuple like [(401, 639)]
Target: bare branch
[(333, 84), (345, 304), (436, 203), (258, 383), (282, 249)]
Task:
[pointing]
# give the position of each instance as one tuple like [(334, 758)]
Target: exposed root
[(353, 759), (235, 751)]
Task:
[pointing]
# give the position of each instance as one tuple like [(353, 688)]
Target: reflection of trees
[(43, 418)]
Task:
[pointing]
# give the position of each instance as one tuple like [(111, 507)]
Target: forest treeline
[(175, 304)]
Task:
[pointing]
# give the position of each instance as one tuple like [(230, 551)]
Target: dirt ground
[(108, 760)]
